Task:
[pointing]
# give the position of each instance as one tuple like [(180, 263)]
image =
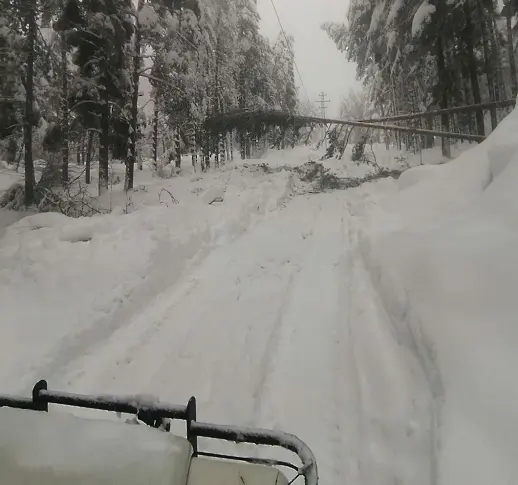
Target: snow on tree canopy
[(376, 18), (391, 39), (172, 57), (147, 17), (171, 22), (394, 10), (423, 14)]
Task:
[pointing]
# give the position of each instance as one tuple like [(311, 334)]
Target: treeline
[(419, 55), (72, 71)]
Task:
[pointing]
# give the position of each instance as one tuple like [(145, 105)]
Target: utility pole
[(323, 101)]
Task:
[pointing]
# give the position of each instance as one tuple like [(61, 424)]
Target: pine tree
[(103, 31), (458, 44), (12, 91), (283, 74), (30, 18)]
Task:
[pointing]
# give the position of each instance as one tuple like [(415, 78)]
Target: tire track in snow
[(142, 330), (348, 391), (357, 427), (271, 315), (230, 302), (301, 393), (273, 344), (272, 347), (170, 264), (74, 348)]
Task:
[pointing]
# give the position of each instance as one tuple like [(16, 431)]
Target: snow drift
[(441, 252)]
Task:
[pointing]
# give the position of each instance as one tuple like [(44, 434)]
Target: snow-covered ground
[(379, 324), (440, 249)]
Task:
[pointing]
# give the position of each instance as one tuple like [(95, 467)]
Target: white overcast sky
[(321, 65)]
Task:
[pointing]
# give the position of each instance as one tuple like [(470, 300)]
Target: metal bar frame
[(153, 415)]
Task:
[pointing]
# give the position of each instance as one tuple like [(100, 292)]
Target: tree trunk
[(429, 139), (206, 151), (242, 145), (215, 149), (78, 151), (385, 135), (227, 146), (104, 148), (248, 146), (221, 147), (510, 51), (465, 121), (495, 57), (64, 111), (11, 149), (177, 148), (194, 147), (472, 65), (203, 143), (487, 61), (84, 142), (88, 162), (155, 137), (132, 159), (443, 94), (30, 181), (394, 106)]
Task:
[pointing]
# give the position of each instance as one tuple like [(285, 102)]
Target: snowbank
[(440, 245), (67, 284)]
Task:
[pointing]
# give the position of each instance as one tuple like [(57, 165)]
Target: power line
[(293, 54)]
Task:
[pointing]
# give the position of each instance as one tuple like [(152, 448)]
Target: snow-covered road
[(378, 323), (279, 328)]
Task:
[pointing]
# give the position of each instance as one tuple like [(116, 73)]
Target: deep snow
[(441, 252), (378, 324)]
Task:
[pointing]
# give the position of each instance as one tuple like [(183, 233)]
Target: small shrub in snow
[(402, 160), (329, 181), (14, 197), (260, 167), (164, 199), (311, 171), (50, 175), (72, 201), (129, 205), (358, 150), (166, 171), (265, 167), (319, 176), (361, 157)]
